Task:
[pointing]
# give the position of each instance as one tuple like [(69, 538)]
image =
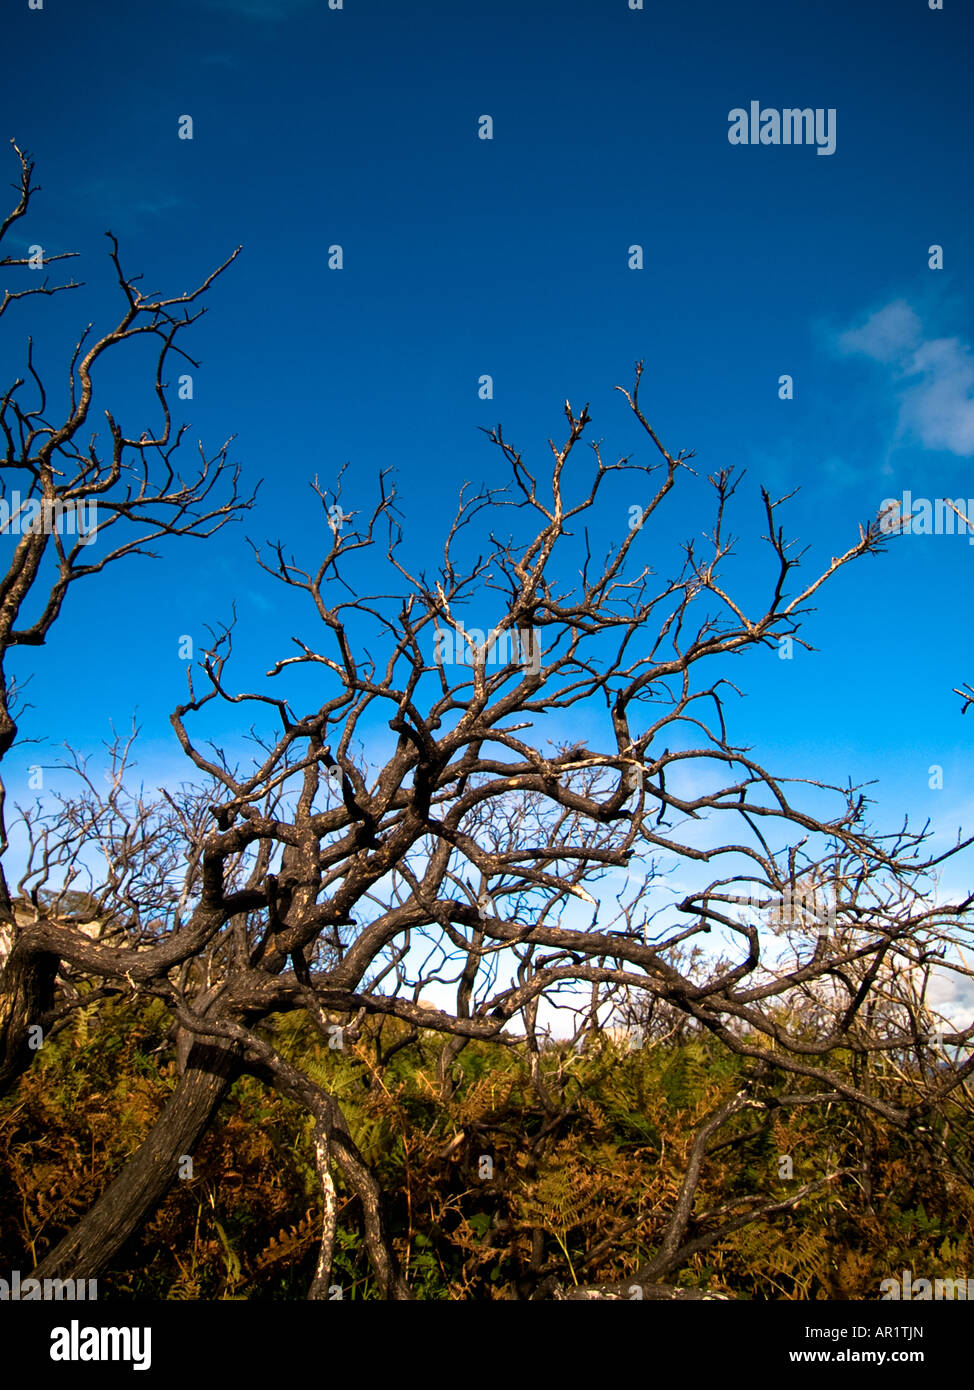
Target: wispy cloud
[(933, 377), (886, 335)]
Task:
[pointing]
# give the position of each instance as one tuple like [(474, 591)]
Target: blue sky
[(509, 257)]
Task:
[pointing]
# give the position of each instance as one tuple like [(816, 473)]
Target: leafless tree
[(80, 505), (483, 852)]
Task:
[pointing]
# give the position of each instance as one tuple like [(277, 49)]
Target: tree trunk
[(26, 994), (144, 1181)]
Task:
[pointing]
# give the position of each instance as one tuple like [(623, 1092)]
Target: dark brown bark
[(26, 995), (144, 1181), (363, 1182)]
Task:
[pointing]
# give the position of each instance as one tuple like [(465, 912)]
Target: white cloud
[(885, 335), (939, 409), (934, 376)]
